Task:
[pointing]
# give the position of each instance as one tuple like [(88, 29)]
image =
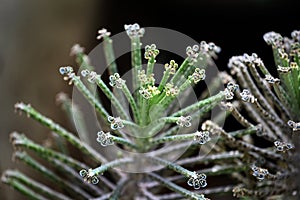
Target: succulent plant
[(151, 145)]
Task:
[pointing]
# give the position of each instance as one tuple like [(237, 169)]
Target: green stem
[(268, 93), (170, 149), (40, 188), (75, 116), (21, 140), (189, 70), (281, 94), (115, 195), (255, 91), (263, 69), (31, 112), (295, 83), (136, 60), (90, 97), (80, 59), (167, 100), (112, 66), (176, 138), (123, 142), (173, 166), (109, 54), (194, 107), (180, 71), (170, 131), (185, 85), (176, 188), (164, 80), (237, 115), (290, 89), (103, 168), (239, 144), (216, 190), (277, 59), (72, 188), (131, 124), (72, 173), (158, 124), (249, 131), (210, 158), (132, 103), (144, 112), (112, 98), (22, 188), (150, 66)]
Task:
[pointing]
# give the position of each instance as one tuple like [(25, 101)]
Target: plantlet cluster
[(183, 151)]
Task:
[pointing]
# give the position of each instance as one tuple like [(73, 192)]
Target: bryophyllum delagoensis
[(146, 118)]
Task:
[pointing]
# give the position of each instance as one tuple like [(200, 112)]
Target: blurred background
[(36, 36)]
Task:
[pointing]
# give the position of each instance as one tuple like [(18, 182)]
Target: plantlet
[(152, 146)]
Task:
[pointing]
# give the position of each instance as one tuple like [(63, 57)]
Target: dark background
[(236, 26), (35, 38)]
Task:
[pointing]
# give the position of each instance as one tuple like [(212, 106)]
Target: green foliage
[(267, 107)]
